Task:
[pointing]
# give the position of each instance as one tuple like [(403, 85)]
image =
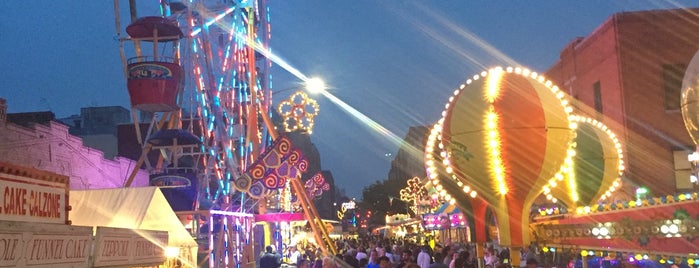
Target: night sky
[(395, 61)]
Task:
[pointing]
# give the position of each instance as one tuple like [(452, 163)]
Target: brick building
[(628, 74)]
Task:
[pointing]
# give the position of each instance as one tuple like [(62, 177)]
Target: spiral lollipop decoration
[(256, 190), (271, 181), (273, 169), (316, 185), (298, 112), (243, 183)]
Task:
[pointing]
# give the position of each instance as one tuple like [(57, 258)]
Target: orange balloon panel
[(506, 135)]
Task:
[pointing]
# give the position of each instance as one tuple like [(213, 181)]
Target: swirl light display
[(277, 165), (316, 185)]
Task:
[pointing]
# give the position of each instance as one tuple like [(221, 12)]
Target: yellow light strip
[(572, 183), (493, 89), (497, 168), (493, 142)]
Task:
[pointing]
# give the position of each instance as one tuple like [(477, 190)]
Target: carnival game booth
[(137, 210), (447, 223)]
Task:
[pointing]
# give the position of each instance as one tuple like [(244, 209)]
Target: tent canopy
[(142, 208)]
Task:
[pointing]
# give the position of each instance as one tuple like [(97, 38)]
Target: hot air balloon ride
[(503, 135), (594, 172), (690, 105)]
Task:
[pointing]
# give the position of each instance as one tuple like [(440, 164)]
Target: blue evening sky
[(395, 61)]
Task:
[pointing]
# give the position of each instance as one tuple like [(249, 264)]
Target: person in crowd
[(532, 263), (309, 253), (318, 263), (373, 260), (405, 259), (423, 258), (527, 254), (464, 260), (388, 252), (329, 262), (448, 253), (384, 262), (351, 260), (294, 254), (438, 261), (504, 256), (490, 258), (361, 253), (452, 263), (380, 249), (363, 262), (269, 259), (303, 263), (397, 255)]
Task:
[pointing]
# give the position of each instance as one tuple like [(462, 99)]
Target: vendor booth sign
[(28, 199), (44, 245), (127, 247)]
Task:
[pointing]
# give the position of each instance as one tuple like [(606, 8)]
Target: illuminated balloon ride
[(507, 136), (690, 108)]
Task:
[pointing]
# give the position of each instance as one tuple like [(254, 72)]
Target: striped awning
[(447, 209)]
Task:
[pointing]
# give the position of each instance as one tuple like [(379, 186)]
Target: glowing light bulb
[(315, 85)]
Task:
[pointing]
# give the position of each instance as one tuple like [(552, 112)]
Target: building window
[(683, 169), (597, 88), (672, 85)]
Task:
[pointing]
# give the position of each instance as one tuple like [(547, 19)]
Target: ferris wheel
[(198, 75), (206, 92)]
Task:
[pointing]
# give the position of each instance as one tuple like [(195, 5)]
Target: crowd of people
[(374, 252)]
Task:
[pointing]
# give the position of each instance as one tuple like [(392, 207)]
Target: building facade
[(97, 126), (628, 74), (47, 145), (409, 160)]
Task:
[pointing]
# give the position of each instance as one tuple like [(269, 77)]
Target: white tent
[(142, 208)]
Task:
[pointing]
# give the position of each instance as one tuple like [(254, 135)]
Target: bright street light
[(315, 85)]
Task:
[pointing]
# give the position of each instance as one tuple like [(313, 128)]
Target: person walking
[(270, 259)]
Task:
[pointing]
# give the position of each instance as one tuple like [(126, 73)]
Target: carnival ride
[(508, 137), (203, 89)]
